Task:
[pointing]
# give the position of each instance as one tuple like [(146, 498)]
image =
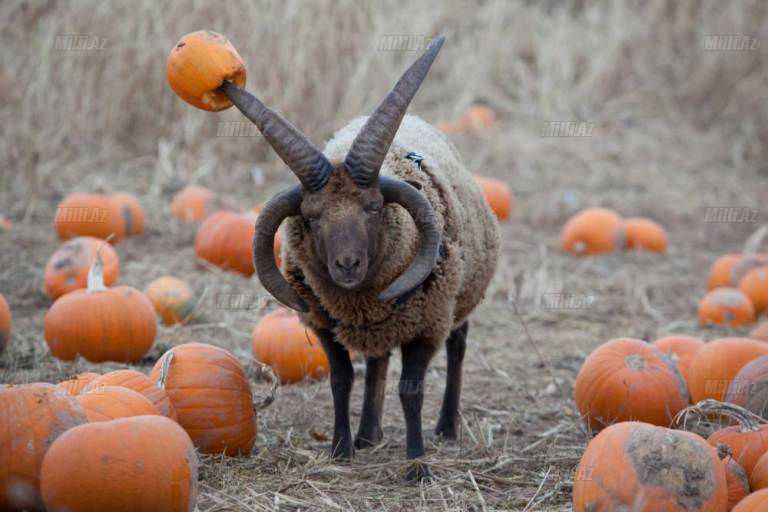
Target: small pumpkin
[(478, 118), (759, 476), (736, 479), (212, 397), (293, 351), (497, 194), (644, 234), (93, 215), (755, 502), (644, 468), (6, 321), (754, 285), (131, 212), (721, 271), (198, 66), (100, 323), (75, 385), (67, 268), (628, 379), (592, 231), (104, 403), (680, 350), (194, 203), (140, 383), (717, 363), (726, 306), (172, 299), (32, 416), (749, 388), (145, 463), (225, 239), (760, 332)]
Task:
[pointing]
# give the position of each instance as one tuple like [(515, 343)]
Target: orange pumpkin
[(498, 195), (293, 351), (198, 66), (100, 323), (32, 416), (639, 467), (93, 215), (760, 332), (140, 383), (726, 306), (194, 203), (747, 441), (131, 212), (225, 239), (5, 323), (737, 481), (716, 364), (628, 379), (754, 285), (749, 388), (755, 502), (645, 234), (721, 271), (141, 463), (104, 403), (75, 385), (759, 476), (593, 231), (745, 264), (172, 298), (5, 225), (212, 397), (478, 118), (681, 350), (67, 268)]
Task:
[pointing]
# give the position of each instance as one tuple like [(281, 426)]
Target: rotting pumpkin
[(131, 212), (67, 268)]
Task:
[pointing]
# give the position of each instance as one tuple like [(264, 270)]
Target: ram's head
[(341, 203)]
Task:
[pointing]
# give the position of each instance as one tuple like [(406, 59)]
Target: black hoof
[(418, 472), (363, 441), (342, 450), (446, 430)]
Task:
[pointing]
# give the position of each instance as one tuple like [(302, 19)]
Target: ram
[(389, 243)]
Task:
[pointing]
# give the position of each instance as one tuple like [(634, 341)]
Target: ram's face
[(343, 222)]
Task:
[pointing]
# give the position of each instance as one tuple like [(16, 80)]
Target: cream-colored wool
[(470, 238)]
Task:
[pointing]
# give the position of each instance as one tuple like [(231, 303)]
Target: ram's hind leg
[(416, 357), (342, 377), (369, 433), (456, 346)]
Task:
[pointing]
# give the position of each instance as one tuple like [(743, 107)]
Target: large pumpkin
[(141, 463), (639, 467), (718, 362), (67, 268), (628, 379), (93, 215), (749, 388), (644, 234), (755, 502), (497, 194), (593, 231), (199, 64), (225, 239), (140, 383), (681, 350), (726, 306), (32, 416), (100, 323), (292, 350), (131, 212), (5, 323), (104, 403), (77, 383), (172, 299), (212, 397)]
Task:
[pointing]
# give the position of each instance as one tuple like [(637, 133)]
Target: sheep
[(388, 243)]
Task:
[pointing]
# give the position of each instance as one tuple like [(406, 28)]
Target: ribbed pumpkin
[(32, 416), (67, 268), (497, 194), (75, 385), (131, 212), (747, 441), (292, 350), (194, 203), (737, 480), (718, 362), (141, 463), (225, 239), (6, 321), (754, 285), (628, 379), (93, 215), (593, 231), (755, 502), (639, 467), (140, 383), (644, 234), (681, 350), (212, 397), (104, 403), (726, 306), (749, 388), (199, 64), (101, 324), (172, 299), (758, 479)]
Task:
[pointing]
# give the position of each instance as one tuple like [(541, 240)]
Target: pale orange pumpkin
[(754, 285), (593, 231), (478, 118), (32, 416), (75, 385), (194, 203), (628, 379), (67, 268), (93, 215), (6, 321), (225, 239), (292, 350), (172, 298), (131, 212), (643, 468), (198, 66), (717, 363), (104, 403), (140, 383), (680, 350), (497, 194), (644, 234), (140, 463), (212, 397), (726, 306)]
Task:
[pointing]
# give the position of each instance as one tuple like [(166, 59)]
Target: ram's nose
[(348, 270), (348, 264)]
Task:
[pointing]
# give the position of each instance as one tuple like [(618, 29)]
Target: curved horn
[(284, 204), (298, 153), (400, 192), (372, 142)]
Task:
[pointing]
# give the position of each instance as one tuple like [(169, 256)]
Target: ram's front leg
[(416, 357), (369, 433), (342, 377)]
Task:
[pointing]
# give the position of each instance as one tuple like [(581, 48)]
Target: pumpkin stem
[(167, 358), (265, 371), (747, 420), (96, 274)]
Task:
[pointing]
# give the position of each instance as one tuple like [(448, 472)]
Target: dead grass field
[(676, 128)]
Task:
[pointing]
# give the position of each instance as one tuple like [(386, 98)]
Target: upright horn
[(298, 153), (372, 142)]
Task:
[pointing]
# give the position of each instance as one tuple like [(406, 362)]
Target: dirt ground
[(669, 140)]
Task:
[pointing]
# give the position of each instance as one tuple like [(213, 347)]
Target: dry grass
[(676, 129)]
